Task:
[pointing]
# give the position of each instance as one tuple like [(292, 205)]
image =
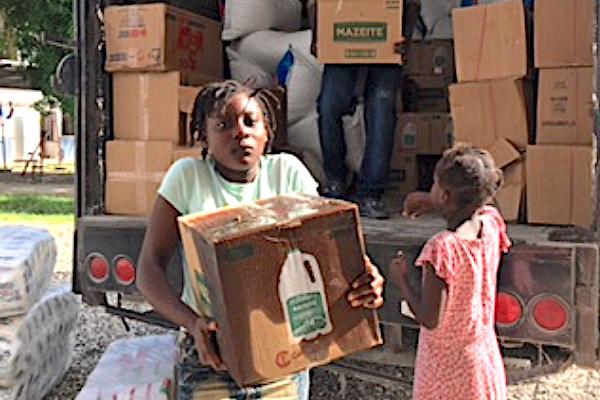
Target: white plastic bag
[(244, 70), (303, 83), (27, 260), (266, 48), (243, 17), (141, 368), (36, 348)]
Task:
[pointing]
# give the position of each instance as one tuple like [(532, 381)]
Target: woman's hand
[(367, 289), (204, 332), (399, 270), (417, 204)]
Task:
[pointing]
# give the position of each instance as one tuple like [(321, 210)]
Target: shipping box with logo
[(426, 133), (359, 31), (564, 33), (484, 112), (153, 106), (134, 171), (430, 57), (403, 177), (490, 41), (160, 37), (278, 272), (565, 106), (559, 185)]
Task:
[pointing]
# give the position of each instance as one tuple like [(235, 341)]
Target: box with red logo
[(160, 37)]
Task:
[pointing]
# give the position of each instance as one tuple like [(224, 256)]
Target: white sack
[(27, 260), (266, 48), (141, 368), (243, 17)]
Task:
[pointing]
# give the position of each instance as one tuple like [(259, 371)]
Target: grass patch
[(33, 208)]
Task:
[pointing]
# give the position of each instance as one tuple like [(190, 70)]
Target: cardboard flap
[(504, 152)]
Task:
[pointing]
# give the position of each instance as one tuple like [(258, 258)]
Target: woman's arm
[(159, 245), (428, 305)]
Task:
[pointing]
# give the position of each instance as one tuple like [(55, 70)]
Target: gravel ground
[(97, 329)]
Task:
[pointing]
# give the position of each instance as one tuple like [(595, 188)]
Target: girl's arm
[(159, 245), (428, 305), (417, 204)]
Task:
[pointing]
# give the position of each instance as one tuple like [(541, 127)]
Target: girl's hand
[(399, 270), (367, 289), (417, 204), (204, 332)]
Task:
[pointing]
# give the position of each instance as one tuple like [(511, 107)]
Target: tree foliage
[(25, 22)]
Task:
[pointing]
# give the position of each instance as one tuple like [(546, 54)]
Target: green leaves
[(24, 23)]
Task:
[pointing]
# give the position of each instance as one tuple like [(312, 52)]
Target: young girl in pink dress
[(458, 355)]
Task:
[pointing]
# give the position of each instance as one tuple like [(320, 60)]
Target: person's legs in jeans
[(335, 101), (380, 120)]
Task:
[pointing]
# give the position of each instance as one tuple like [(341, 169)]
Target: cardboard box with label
[(430, 57), (564, 33), (403, 177), (134, 171), (359, 31), (559, 185), (484, 112), (565, 106), (160, 37), (426, 133), (153, 106), (281, 269), (490, 41)]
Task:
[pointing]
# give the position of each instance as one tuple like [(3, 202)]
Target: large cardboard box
[(160, 37), (490, 41), (564, 33), (426, 133), (153, 106), (559, 185), (134, 173), (278, 273), (403, 177), (430, 57), (484, 112), (359, 31), (565, 106)]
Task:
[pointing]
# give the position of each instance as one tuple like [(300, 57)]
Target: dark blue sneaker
[(372, 207), (334, 189)]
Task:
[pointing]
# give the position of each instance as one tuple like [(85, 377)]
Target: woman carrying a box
[(234, 123)]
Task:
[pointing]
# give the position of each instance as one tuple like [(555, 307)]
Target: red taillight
[(98, 268), (124, 270), (550, 312), (509, 310)]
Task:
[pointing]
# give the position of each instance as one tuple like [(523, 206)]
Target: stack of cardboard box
[(159, 56), (424, 127), (559, 165), (490, 102)]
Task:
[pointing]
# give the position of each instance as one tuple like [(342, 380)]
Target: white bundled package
[(36, 348), (27, 260), (140, 368), (243, 17)]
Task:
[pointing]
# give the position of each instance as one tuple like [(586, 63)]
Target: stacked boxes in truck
[(548, 284)]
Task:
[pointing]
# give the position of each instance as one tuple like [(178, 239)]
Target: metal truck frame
[(561, 262)]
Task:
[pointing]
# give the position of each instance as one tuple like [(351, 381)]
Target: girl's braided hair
[(469, 174), (214, 99)]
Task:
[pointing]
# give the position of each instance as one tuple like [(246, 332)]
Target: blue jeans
[(336, 100)]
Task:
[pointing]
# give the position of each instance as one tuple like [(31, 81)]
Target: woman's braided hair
[(214, 99), (469, 174)]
